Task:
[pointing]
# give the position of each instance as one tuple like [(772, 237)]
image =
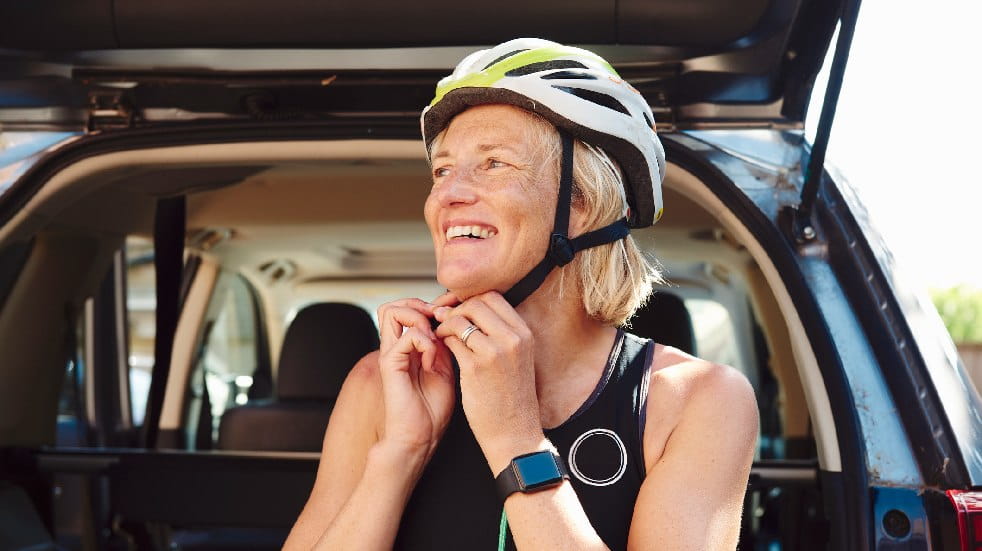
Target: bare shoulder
[(355, 420), (690, 377), (363, 385), (358, 406), (351, 432), (699, 442), (700, 394), (365, 374)]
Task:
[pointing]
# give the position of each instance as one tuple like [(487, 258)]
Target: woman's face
[(491, 208)]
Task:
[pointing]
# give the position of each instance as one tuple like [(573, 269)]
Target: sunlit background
[(906, 133)]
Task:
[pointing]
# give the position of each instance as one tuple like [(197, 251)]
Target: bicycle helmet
[(581, 95)]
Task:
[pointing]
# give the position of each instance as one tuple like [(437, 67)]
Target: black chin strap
[(562, 249)]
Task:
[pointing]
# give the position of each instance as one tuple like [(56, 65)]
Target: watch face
[(537, 470)]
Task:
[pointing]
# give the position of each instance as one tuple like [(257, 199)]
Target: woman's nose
[(458, 187)]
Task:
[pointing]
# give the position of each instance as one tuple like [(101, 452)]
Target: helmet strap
[(562, 249)]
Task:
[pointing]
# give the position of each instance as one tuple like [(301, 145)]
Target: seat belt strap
[(168, 244)]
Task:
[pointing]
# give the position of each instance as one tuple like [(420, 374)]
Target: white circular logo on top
[(605, 450)]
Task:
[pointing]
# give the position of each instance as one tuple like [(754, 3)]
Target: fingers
[(446, 299), (454, 328), (493, 340), (414, 303), (465, 356), (424, 308), (395, 316), (486, 318), (489, 312), (500, 306), (414, 340)]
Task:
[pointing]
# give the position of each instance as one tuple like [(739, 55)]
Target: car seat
[(665, 319), (322, 344)]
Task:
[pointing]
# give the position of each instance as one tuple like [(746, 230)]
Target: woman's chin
[(467, 283)]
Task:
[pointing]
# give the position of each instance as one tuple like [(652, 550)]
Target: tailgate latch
[(110, 110)]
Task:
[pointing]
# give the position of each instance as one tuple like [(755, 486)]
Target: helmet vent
[(506, 56), (648, 120), (596, 97), (545, 66), (569, 75)]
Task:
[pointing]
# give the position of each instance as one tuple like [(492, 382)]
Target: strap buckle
[(560, 249)]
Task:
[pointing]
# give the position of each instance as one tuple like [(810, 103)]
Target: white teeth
[(475, 231)]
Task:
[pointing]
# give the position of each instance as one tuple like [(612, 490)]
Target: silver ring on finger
[(467, 333)]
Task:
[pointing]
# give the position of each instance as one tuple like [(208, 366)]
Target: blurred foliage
[(961, 309)]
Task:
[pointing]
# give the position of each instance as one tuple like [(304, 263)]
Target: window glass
[(227, 359), (69, 400), (141, 305)]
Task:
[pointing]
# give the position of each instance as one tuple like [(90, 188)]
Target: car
[(194, 197)]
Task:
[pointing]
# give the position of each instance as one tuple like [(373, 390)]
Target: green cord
[(502, 530)]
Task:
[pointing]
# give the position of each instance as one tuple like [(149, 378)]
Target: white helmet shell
[(575, 90)]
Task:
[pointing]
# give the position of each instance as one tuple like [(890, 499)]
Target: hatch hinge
[(110, 110), (801, 224)]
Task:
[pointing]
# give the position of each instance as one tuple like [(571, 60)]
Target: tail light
[(968, 506)]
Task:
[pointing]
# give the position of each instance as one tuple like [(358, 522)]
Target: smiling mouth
[(469, 232)]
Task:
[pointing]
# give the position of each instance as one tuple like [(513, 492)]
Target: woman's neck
[(570, 346)]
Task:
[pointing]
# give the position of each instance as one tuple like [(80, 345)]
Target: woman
[(553, 428)]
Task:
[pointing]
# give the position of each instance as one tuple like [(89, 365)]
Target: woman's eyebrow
[(483, 148), (492, 146)]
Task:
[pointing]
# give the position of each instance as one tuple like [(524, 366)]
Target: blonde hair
[(614, 279)]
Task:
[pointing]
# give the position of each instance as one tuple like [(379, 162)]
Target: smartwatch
[(531, 472)]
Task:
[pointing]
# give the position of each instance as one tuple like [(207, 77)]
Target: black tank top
[(455, 506)]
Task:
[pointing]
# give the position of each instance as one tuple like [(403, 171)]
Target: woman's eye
[(495, 163), (441, 172)]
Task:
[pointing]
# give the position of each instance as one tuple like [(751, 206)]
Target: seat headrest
[(665, 320), (322, 344)]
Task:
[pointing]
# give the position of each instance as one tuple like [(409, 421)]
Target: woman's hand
[(417, 377), (497, 375)]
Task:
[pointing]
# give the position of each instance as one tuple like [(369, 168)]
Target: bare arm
[(692, 496), (370, 518), (693, 493), (351, 434), (499, 398), (547, 519), (392, 411)]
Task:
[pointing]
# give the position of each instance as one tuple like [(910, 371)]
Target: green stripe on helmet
[(488, 77)]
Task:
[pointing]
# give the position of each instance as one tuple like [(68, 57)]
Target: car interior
[(289, 249)]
